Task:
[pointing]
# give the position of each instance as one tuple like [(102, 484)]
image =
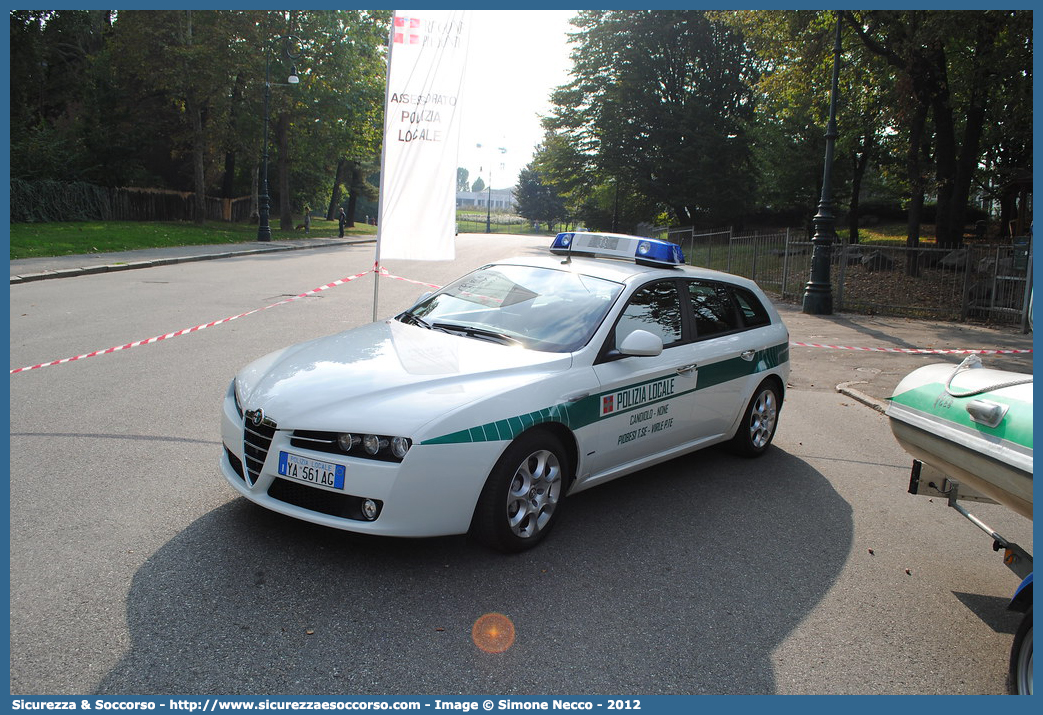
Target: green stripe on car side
[(587, 411)]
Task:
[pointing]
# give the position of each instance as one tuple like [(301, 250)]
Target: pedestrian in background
[(342, 219)]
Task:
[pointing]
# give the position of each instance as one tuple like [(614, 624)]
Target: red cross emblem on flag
[(608, 404), (407, 30)]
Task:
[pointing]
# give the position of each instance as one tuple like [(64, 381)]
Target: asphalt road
[(136, 570)]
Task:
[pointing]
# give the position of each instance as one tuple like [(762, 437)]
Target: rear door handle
[(748, 355)]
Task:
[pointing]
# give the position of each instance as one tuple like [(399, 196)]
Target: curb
[(845, 388), (152, 263)]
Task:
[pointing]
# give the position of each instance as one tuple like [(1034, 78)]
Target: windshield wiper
[(412, 319), (480, 333)]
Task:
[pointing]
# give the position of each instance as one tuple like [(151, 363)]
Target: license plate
[(311, 471)]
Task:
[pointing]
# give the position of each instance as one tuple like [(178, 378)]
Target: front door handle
[(686, 369)]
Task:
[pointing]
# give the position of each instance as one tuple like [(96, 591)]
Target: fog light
[(399, 447), (347, 441), (370, 509), (373, 444)]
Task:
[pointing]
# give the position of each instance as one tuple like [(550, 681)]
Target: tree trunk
[(947, 235), (198, 175), (338, 179), (1023, 213), (974, 128), (965, 169), (282, 140), (195, 114), (1008, 202), (860, 162), (228, 178), (916, 186), (255, 202), (353, 193)]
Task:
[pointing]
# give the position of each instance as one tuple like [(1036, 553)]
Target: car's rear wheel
[(757, 428), (523, 496), (1021, 658)]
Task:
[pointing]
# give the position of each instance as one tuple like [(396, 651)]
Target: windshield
[(539, 308)]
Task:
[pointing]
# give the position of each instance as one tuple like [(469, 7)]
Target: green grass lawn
[(34, 240), (894, 235)]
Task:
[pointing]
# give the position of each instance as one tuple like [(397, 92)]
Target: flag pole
[(427, 56), (383, 170)]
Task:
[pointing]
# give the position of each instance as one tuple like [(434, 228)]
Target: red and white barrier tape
[(384, 272), (924, 351), (193, 329)]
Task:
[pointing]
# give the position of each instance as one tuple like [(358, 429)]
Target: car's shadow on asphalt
[(680, 579)]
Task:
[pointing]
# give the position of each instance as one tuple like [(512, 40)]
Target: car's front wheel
[(757, 428), (523, 496)]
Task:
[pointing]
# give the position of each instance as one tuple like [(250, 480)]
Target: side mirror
[(641, 343), (422, 298)]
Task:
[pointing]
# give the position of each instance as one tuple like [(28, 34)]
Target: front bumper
[(432, 492)]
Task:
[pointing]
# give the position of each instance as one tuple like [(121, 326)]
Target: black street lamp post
[(818, 293), (489, 205), (489, 192), (264, 230)]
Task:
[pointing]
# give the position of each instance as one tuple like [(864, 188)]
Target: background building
[(501, 199)]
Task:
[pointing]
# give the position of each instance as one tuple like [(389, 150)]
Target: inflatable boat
[(972, 424)]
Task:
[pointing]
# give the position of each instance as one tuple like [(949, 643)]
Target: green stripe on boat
[(933, 400)]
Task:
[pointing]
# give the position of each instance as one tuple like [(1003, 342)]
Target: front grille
[(256, 441), (318, 441), (344, 506)]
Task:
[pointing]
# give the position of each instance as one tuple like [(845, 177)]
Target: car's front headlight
[(400, 446), (386, 448)]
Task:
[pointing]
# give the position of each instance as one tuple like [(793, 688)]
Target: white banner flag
[(428, 56)]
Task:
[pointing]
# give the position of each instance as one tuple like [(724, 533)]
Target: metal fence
[(43, 201), (990, 283), (497, 222)]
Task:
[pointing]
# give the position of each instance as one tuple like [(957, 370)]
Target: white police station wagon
[(481, 407)]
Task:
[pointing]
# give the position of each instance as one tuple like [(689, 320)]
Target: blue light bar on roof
[(648, 251)]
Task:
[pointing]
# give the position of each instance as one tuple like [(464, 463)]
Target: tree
[(174, 99), (337, 110), (55, 91), (952, 64), (795, 53), (538, 201), (462, 182), (569, 174), (361, 189), (1005, 172), (193, 74), (661, 104), (597, 201), (478, 185)]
